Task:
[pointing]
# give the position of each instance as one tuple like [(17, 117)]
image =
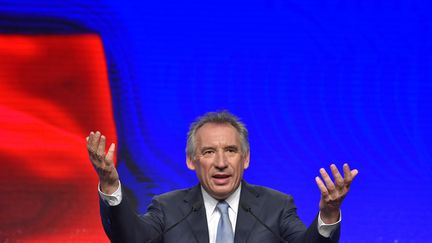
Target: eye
[(231, 150), (208, 152)]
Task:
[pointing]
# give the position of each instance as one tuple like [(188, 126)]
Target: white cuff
[(326, 229), (113, 199)]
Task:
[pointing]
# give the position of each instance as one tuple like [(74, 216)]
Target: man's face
[(219, 161)]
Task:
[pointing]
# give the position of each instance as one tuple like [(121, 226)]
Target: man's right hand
[(103, 162)]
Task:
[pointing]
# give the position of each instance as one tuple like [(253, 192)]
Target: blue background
[(316, 82)]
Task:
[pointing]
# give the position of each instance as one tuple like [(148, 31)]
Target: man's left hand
[(333, 193)]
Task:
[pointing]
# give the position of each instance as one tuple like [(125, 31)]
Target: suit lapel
[(197, 220), (245, 221)]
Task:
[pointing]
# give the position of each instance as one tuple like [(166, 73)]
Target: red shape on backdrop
[(54, 90)]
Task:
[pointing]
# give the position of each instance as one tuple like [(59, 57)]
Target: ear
[(246, 160), (189, 162)]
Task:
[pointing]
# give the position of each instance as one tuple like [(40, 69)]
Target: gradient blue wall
[(316, 82)]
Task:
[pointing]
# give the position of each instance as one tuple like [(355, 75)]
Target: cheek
[(203, 168), (239, 167)]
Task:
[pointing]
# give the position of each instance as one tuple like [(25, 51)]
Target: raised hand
[(333, 193), (103, 162)]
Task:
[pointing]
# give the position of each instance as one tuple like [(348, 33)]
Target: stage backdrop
[(316, 83)]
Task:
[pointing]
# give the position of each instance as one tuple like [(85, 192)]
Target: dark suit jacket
[(275, 209)]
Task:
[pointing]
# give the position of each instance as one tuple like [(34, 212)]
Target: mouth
[(221, 179)]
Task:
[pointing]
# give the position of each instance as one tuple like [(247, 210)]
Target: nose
[(221, 161)]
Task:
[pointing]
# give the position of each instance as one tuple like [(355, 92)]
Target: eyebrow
[(206, 148), (226, 147), (232, 147)]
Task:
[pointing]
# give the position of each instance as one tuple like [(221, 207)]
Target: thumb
[(109, 158)]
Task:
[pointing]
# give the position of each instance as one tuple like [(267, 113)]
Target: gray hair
[(220, 117)]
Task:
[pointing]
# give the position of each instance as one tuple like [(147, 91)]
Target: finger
[(109, 158), (322, 188), (95, 142), (90, 138), (337, 176), (354, 173), (328, 181), (91, 150), (101, 148), (87, 138), (348, 176)]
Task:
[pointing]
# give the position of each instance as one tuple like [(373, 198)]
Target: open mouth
[(221, 179)]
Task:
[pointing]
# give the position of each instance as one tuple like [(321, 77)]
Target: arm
[(120, 222), (326, 226), (332, 196), (293, 229)]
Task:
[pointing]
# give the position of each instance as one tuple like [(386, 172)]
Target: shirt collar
[(210, 202)]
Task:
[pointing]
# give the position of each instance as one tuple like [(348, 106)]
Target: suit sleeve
[(122, 224), (293, 230)]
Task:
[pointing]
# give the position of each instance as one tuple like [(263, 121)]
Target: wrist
[(109, 187), (330, 216)]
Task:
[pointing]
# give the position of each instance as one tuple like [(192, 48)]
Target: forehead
[(215, 133)]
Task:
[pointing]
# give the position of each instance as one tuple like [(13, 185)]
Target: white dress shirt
[(213, 214)]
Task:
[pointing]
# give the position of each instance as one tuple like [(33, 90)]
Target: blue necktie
[(224, 231)]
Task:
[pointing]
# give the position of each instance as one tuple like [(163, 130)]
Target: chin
[(222, 194)]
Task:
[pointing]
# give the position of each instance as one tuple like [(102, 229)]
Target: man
[(223, 208)]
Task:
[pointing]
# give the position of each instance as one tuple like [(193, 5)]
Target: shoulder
[(267, 193), (175, 195)]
